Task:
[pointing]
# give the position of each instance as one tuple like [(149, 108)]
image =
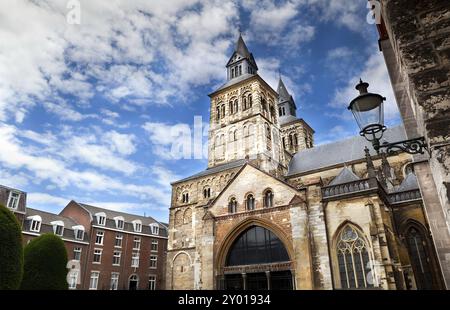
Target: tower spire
[(242, 61)]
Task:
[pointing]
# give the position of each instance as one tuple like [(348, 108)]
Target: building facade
[(272, 211), (106, 250)]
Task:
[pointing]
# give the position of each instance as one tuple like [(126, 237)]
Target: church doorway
[(257, 260)]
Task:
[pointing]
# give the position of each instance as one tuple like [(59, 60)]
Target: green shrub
[(45, 264), (11, 250)]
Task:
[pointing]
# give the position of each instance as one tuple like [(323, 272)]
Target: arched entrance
[(133, 282), (257, 260), (420, 258)]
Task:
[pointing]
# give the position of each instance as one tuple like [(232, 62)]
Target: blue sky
[(89, 111)]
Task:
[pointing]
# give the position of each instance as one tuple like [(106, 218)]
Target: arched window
[(218, 113), (268, 135), (244, 103), (257, 245), (185, 198), (420, 259), (206, 192), (290, 141), (223, 110), (236, 106), (178, 218), (235, 135), (268, 199), (353, 259), (249, 100), (232, 205), (231, 106), (295, 140), (250, 202), (284, 143), (187, 217), (232, 72)]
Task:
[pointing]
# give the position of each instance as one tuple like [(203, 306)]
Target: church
[(274, 211)]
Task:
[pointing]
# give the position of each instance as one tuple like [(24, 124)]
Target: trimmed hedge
[(11, 250), (45, 264)]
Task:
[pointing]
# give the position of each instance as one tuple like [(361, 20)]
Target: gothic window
[(353, 259), (232, 205), (419, 258), (268, 199), (250, 202), (257, 245)]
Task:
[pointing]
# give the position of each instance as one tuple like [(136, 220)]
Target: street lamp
[(368, 110)]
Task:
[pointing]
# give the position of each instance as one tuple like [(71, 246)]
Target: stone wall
[(419, 35)]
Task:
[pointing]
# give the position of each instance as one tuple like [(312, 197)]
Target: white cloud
[(375, 73), (121, 143), (43, 199)]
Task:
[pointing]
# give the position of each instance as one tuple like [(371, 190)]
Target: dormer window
[(58, 227), (13, 200), (35, 223), (101, 218), (137, 226), (78, 231), (120, 222), (154, 228)]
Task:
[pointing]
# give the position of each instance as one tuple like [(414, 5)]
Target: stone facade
[(414, 38), (334, 225)]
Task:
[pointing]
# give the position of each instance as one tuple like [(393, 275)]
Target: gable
[(254, 181)]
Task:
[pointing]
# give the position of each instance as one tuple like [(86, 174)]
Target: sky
[(94, 95)]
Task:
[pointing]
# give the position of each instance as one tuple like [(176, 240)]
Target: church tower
[(244, 119), (296, 134)]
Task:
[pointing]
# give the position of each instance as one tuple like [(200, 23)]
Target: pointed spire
[(282, 91), (241, 47)]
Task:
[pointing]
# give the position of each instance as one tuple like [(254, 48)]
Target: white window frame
[(114, 276), (137, 225), (101, 218), (16, 201), (57, 224), (154, 229), (97, 254), (153, 258), (118, 237), (135, 259), (102, 234), (116, 256), (154, 243), (95, 275), (76, 230), (77, 251), (35, 224), (73, 279), (119, 220), (152, 282), (136, 240)]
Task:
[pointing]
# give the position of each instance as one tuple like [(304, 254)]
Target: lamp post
[(367, 108)]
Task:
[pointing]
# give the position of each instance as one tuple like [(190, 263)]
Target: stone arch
[(178, 218), (239, 228), (187, 216), (182, 271)]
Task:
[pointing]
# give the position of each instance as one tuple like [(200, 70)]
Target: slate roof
[(223, 167), (282, 91), (128, 219), (235, 80), (338, 152), (285, 119), (346, 175), (409, 183), (47, 227)]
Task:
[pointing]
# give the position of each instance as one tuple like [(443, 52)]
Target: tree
[(11, 250), (45, 264)]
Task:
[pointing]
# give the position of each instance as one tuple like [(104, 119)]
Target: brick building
[(126, 251), (273, 211), (106, 249)]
